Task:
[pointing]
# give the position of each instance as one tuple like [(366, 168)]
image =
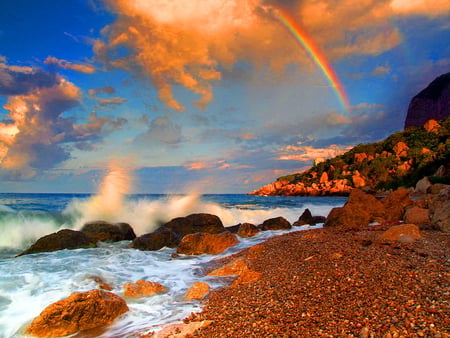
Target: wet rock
[(163, 237), (277, 223), (108, 232), (416, 215), (206, 243), (247, 230), (143, 288), (63, 239), (402, 232), (198, 290), (347, 217), (205, 223), (305, 218), (79, 312), (101, 283)]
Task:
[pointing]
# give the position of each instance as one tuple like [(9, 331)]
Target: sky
[(207, 96)]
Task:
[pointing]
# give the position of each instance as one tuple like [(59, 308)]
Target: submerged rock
[(108, 232), (79, 312), (277, 223), (205, 243), (63, 239), (143, 288)]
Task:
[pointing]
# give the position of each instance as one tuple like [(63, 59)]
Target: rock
[(277, 223), (143, 288), (63, 239), (347, 217), (401, 149), (108, 232), (205, 223), (395, 204), (437, 188), (319, 219), (206, 243), (360, 157), (79, 312), (423, 185), (431, 103), (358, 180), (359, 199), (101, 283), (198, 290), (402, 232), (416, 215), (305, 218), (324, 177), (182, 330), (163, 237), (247, 277), (440, 210), (247, 230), (237, 268), (233, 229), (432, 126)]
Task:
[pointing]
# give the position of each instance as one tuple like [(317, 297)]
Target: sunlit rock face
[(431, 103)]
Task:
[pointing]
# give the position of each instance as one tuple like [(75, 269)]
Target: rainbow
[(316, 55)]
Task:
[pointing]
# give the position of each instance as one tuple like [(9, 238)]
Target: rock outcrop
[(305, 219), (63, 239), (206, 243), (108, 232), (431, 103), (79, 312)]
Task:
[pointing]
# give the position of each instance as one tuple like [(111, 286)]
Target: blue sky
[(214, 96)]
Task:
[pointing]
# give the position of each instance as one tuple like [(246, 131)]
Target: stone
[(108, 232), (348, 218), (206, 243), (143, 288), (63, 239), (324, 177), (401, 149), (163, 237), (205, 223), (183, 330), (358, 180), (197, 291), (402, 232), (437, 188), (395, 204), (234, 268), (440, 210), (101, 283), (423, 185), (319, 219), (432, 126), (247, 277), (416, 215), (79, 312), (369, 203), (247, 230), (305, 218), (277, 223)]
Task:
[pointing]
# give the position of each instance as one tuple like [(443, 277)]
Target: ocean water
[(29, 283)]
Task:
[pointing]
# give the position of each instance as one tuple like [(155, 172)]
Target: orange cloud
[(421, 7), (308, 153), (64, 64)]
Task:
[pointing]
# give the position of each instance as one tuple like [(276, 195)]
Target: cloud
[(163, 131), (381, 70), (64, 64), (112, 101), (308, 153), (421, 7), (106, 90)]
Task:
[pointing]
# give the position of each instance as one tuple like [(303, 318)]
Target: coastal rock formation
[(305, 218), (79, 312), (108, 232), (205, 223), (277, 223), (431, 103), (143, 288), (163, 237), (348, 217), (396, 203), (198, 290), (63, 239), (247, 230), (206, 243)]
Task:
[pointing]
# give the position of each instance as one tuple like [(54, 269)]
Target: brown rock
[(360, 157), (79, 312), (432, 126), (423, 185), (182, 330), (205, 223), (205, 243), (437, 188), (401, 149), (198, 290), (401, 233), (360, 200), (277, 223), (396, 203), (235, 268), (440, 210), (63, 239), (143, 288), (163, 237), (247, 277), (305, 218), (247, 230), (416, 215), (108, 232), (324, 177), (358, 180), (347, 217)]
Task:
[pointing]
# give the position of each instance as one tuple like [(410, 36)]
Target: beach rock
[(395, 204), (403, 233), (360, 200), (63, 239), (143, 288), (349, 217), (233, 229), (79, 312), (305, 218), (234, 268), (163, 237), (183, 330), (206, 243), (423, 185), (108, 232), (437, 188), (198, 290), (440, 210), (277, 223), (205, 223), (247, 230), (416, 215)]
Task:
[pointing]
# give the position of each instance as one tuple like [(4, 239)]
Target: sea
[(29, 283)]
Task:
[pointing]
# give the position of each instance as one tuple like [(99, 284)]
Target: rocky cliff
[(431, 103)]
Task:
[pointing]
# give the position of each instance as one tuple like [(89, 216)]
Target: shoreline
[(335, 283)]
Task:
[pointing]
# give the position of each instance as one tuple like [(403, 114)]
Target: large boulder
[(79, 312), (416, 215), (440, 210), (63, 239), (348, 217), (205, 243), (247, 230), (431, 103), (402, 233), (396, 203), (277, 223), (143, 288), (108, 232), (305, 218), (163, 237), (191, 224), (360, 200)]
